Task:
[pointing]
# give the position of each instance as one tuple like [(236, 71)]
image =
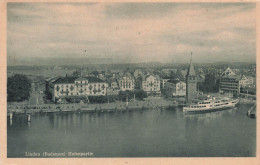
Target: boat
[(210, 104)]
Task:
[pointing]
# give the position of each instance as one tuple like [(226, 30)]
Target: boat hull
[(208, 110)]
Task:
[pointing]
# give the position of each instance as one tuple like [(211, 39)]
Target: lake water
[(147, 133)]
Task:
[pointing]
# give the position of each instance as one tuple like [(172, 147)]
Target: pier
[(252, 111)]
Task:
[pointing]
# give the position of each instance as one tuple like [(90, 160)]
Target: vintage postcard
[(129, 82)]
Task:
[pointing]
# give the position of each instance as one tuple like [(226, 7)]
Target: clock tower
[(191, 83)]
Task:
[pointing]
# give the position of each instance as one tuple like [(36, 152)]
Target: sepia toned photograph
[(131, 79)]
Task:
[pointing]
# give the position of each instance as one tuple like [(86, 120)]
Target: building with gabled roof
[(67, 87), (246, 81), (228, 72), (151, 84), (229, 82), (126, 82), (175, 88)]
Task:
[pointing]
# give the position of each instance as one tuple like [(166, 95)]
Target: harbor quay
[(149, 103)]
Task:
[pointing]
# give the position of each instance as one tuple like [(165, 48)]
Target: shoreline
[(152, 103), (79, 107)]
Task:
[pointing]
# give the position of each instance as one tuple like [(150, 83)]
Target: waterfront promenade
[(150, 103)]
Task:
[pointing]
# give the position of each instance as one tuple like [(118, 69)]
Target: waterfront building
[(49, 87), (126, 82), (66, 87), (228, 72), (191, 83), (113, 88), (151, 84), (246, 81), (229, 82), (175, 88)]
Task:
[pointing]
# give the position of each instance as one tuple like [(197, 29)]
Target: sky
[(132, 32)]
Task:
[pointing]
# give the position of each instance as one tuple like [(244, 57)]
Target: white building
[(73, 86), (246, 81), (151, 84), (228, 72), (175, 88), (126, 82)]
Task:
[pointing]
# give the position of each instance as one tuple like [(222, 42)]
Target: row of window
[(72, 86), (224, 84), (81, 82), (153, 85), (152, 89), (197, 106), (156, 82), (72, 94), (90, 89)]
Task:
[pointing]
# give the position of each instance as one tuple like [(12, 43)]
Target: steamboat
[(210, 104)]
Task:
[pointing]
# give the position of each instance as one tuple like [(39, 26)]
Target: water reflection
[(153, 132), (51, 119), (208, 117)]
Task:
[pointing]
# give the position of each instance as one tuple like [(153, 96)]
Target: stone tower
[(191, 83)]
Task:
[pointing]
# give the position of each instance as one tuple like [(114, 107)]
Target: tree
[(124, 95), (18, 88), (140, 94), (211, 83)]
